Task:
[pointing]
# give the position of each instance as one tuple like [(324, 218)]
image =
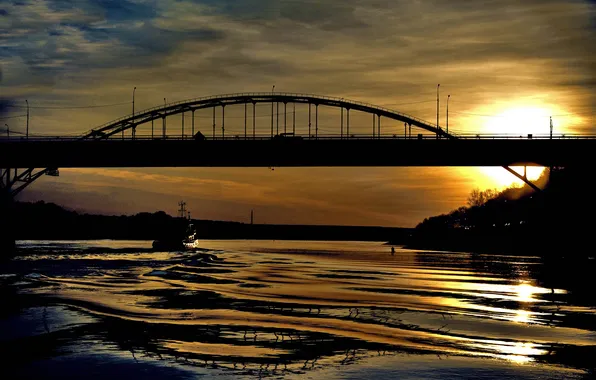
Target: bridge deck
[(279, 153)]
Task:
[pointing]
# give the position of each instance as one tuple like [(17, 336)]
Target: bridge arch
[(163, 111)]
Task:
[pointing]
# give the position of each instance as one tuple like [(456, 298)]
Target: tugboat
[(179, 242), (190, 242)]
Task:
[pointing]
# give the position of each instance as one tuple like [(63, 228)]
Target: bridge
[(24, 159)]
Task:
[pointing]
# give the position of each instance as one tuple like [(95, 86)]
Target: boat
[(190, 241), (177, 243)]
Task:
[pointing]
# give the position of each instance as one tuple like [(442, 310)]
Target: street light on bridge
[(134, 127), (164, 118), (27, 119), (448, 96), (272, 89), (438, 85)]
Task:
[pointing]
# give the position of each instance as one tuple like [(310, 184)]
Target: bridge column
[(193, 123), (341, 133), (285, 118), (379, 116), (294, 119), (182, 125), (316, 121), (374, 127), (254, 105), (10, 186), (7, 232), (213, 123), (223, 121), (164, 126), (348, 122), (309, 121), (244, 121)]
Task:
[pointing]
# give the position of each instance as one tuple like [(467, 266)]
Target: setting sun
[(520, 121)]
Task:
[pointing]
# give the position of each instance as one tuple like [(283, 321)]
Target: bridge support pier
[(7, 233), (11, 183)]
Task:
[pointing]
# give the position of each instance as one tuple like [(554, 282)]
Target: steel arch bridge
[(162, 112), (13, 184)]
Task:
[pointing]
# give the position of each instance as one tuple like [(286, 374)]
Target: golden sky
[(508, 66)]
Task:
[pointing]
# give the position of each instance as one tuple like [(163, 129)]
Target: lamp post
[(448, 96), (164, 118), (438, 85), (551, 127), (27, 119), (134, 127), (272, 89)]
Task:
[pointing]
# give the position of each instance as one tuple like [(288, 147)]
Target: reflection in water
[(525, 292), (280, 308)]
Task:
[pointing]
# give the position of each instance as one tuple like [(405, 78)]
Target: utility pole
[(27, 119), (438, 85)]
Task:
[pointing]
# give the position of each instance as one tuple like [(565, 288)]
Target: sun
[(516, 121), (520, 122)]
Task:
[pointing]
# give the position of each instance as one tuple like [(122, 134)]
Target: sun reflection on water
[(522, 316), (525, 292), (517, 352)]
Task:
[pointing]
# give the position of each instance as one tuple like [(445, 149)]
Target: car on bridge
[(287, 136), (95, 133)]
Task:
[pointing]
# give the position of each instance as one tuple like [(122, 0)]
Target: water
[(289, 309)]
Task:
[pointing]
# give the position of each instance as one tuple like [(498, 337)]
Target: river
[(291, 309)]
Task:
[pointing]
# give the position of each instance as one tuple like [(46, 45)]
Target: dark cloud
[(151, 40), (5, 107)]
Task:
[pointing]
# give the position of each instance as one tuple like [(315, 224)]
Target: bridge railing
[(313, 137)]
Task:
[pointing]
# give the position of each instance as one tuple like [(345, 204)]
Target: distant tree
[(491, 194), (478, 197)]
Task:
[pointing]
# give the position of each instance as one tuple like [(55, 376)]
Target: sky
[(507, 65)]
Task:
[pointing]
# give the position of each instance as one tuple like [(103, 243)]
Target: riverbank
[(48, 221), (554, 222)]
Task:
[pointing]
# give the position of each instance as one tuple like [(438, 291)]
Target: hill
[(558, 220)]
